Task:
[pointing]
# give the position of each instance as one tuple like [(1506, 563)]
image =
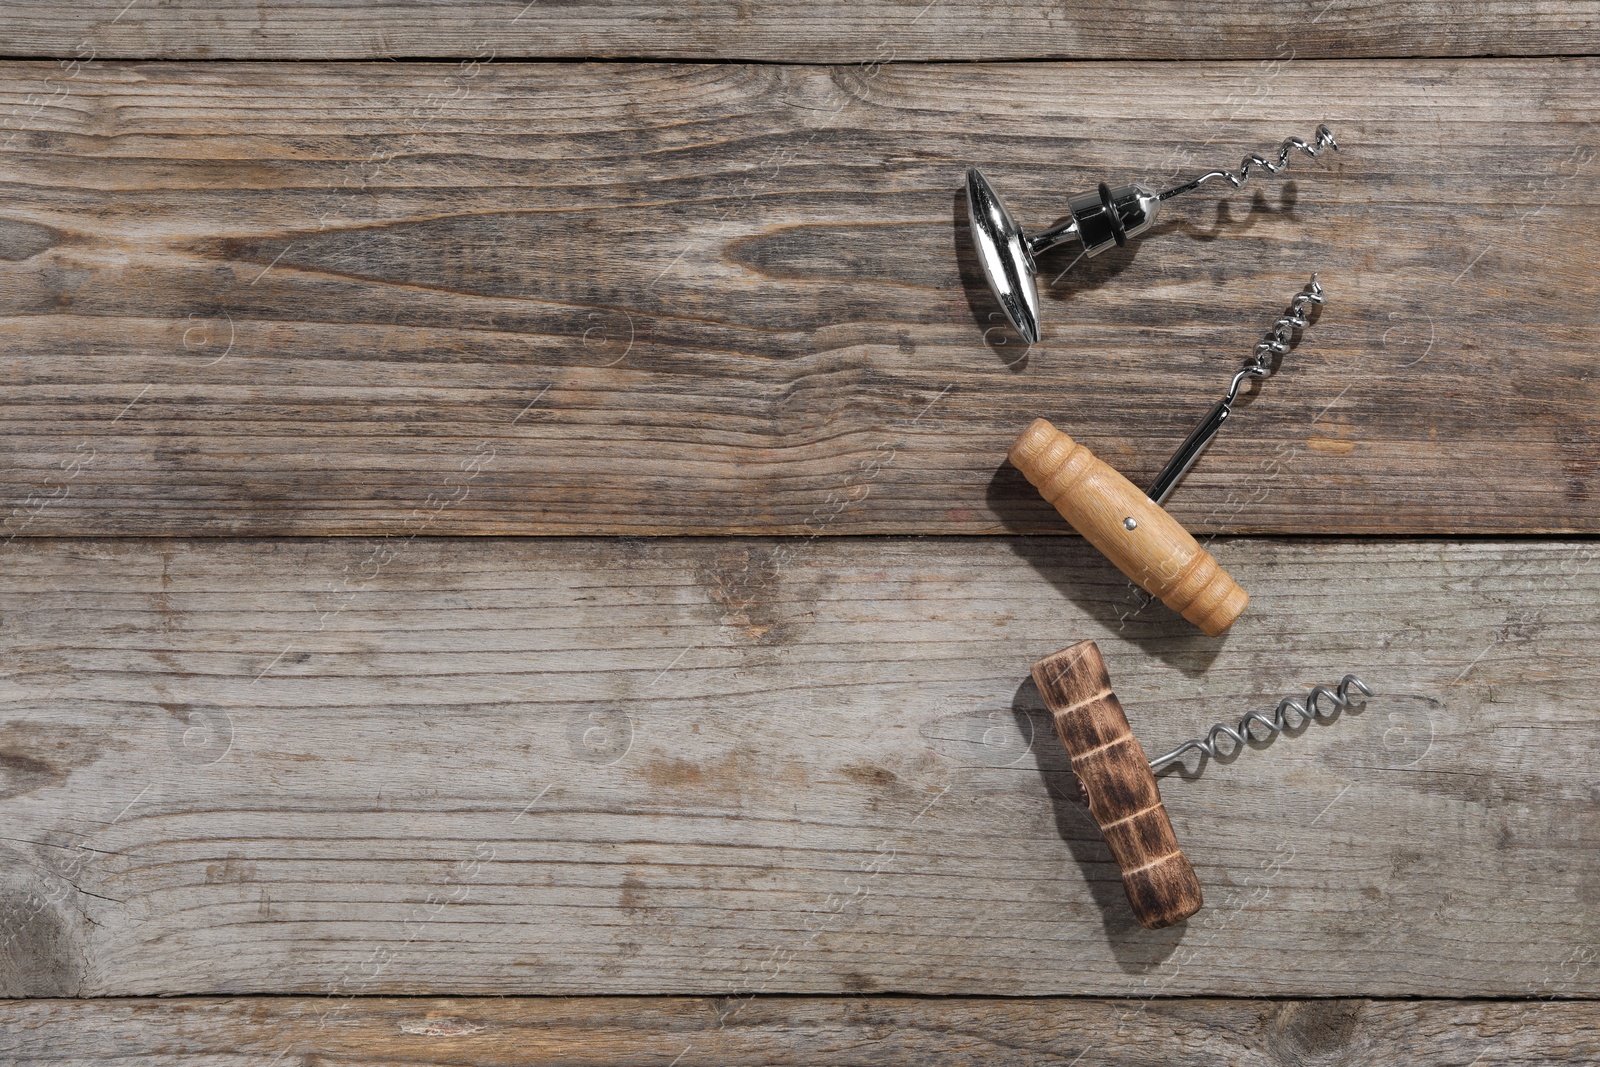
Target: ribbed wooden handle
[(1153, 550), (1123, 796)]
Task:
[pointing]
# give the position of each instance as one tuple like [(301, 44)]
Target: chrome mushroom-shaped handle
[(1099, 220)]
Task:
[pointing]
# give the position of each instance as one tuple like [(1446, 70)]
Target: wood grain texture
[(569, 298), (791, 31), (796, 1032), (1132, 531), (1119, 790), (592, 766)]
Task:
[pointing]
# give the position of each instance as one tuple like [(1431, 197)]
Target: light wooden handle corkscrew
[(1133, 532), (1122, 792)]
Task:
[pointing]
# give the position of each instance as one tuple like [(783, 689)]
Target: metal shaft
[(1190, 450)]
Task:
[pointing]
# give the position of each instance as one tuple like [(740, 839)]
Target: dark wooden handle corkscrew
[(1122, 792)]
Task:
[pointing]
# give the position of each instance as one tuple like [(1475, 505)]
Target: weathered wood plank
[(585, 766), (791, 1032), (791, 31), (655, 299)]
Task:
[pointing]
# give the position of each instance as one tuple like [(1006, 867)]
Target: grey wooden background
[(506, 554)]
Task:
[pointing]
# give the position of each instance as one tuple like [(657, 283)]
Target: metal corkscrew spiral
[(1276, 723), (1281, 333), (1278, 340), (1323, 139)]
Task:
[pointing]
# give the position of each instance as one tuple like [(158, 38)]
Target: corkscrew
[(1276, 723), (1108, 216), (1276, 344), (1131, 528), (1119, 782)]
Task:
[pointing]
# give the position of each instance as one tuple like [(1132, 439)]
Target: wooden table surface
[(507, 554)]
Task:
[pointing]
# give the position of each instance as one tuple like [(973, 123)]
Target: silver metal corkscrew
[(1108, 216), (1323, 138), (1276, 723), (1277, 342)]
